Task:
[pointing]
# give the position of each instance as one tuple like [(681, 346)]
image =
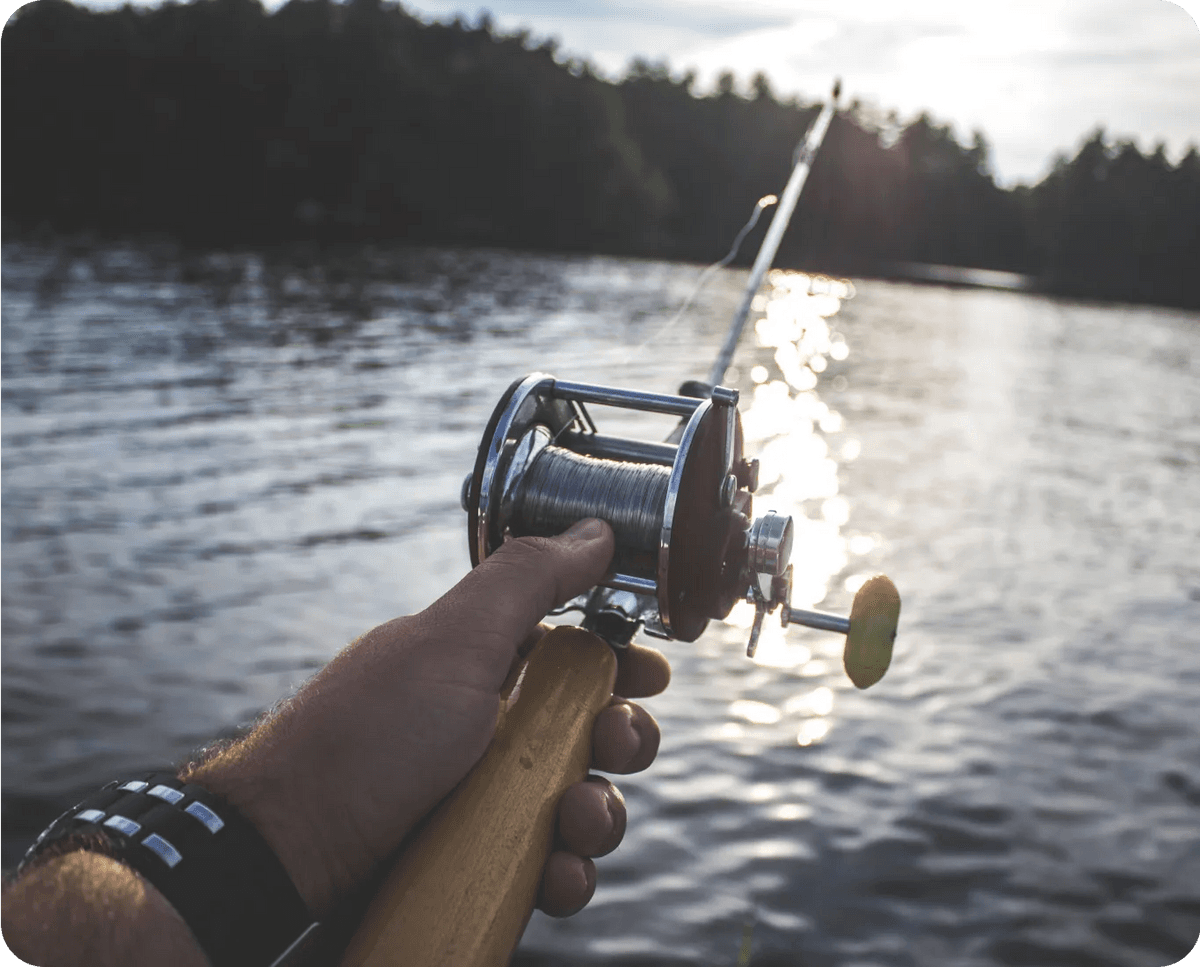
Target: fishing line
[(803, 158), (759, 207), (561, 487)]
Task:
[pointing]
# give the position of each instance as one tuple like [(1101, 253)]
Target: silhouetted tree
[(1114, 224), (350, 119)]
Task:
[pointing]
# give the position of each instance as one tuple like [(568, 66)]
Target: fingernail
[(589, 529), (631, 739), (610, 800)]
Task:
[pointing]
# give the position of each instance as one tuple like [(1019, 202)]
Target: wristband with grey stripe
[(207, 860)]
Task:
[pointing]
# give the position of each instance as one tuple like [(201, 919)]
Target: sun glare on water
[(797, 439)]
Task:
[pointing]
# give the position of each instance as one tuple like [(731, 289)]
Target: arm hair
[(83, 909)]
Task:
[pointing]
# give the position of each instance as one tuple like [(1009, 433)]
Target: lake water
[(217, 470)]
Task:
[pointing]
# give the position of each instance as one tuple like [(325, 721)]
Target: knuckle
[(524, 552), (534, 563), (532, 556)]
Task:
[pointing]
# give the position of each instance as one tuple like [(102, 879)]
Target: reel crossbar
[(543, 465), (626, 398)]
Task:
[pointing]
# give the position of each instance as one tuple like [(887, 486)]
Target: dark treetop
[(218, 123)]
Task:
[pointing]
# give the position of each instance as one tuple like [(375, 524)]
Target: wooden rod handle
[(463, 888)]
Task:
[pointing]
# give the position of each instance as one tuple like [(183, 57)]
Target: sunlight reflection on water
[(218, 469), (781, 425)]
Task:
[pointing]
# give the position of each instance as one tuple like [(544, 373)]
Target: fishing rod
[(806, 153), (802, 160), (687, 549)]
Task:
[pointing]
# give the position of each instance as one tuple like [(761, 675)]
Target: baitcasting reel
[(687, 547)]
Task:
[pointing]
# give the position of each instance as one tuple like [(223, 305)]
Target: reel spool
[(687, 548)]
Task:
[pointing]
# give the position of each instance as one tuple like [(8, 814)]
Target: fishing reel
[(687, 545)]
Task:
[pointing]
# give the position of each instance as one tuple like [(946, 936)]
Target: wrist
[(201, 854), (254, 778)]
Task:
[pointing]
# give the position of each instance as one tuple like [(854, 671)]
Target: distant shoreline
[(343, 252), (959, 276)]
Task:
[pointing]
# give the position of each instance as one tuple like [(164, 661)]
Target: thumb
[(498, 604)]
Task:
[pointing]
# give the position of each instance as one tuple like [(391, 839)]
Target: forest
[(219, 124)]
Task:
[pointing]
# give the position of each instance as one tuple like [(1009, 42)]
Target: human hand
[(339, 775)]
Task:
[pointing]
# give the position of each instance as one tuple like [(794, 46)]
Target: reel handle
[(870, 630), (465, 884)]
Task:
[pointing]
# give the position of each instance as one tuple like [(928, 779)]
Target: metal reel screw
[(729, 488), (465, 496)]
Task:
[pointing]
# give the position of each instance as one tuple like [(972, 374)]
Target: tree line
[(219, 123)]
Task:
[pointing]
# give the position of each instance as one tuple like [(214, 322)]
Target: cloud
[(683, 18), (1033, 77)]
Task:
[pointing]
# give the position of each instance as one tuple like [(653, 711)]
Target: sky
[(1036, 76)]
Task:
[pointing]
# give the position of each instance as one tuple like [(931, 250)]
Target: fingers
[(591, 822), (567, 884), (591, 817), (625, 738), (641, 672)]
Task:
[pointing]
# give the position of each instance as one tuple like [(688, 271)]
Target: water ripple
[(219, 468)]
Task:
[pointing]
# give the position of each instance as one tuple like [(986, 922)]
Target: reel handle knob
[(873, 619), (870, 630)]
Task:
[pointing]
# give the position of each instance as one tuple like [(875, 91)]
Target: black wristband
[(206, 859)]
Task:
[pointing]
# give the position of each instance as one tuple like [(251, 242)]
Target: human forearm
[(337, 776), (332, 781), (84, 909), (281, 780)]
